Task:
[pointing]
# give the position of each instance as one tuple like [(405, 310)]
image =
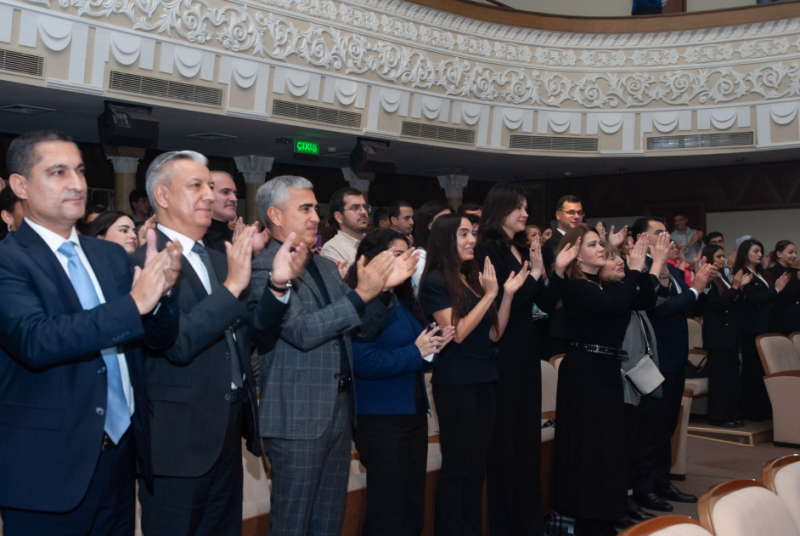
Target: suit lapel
[(312, 286), (187, 270), (331, 281), (44, 257)]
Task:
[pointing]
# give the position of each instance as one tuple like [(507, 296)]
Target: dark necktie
[(236, 366)]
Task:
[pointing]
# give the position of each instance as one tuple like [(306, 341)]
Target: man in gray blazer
[(306, 410)]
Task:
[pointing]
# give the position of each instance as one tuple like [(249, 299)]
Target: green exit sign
[(306, 147)]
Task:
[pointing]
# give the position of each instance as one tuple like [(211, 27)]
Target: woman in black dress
[(720, 311), (786, 310), (754, 316), (590, 477), (453, 292), (514, 464)]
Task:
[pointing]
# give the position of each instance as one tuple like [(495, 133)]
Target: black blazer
[(754, 314), (52, 375), (669, 322), (720, 311), (549, 250), (785, 316), (190, 383)]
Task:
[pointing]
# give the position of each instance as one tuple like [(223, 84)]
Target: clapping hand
[(240, 260), (488, 279), (289, 261), (149, 224), (372, 276), (741, 279), (637, 255), (703, 276), (566, 256), (515, 281), (601, 231), (616, 239), (403, 267), (537, 262), (155, 279), (433, 341), (344, 268)]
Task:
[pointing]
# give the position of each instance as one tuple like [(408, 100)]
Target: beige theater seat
[(668, 526), (433, 419), (679, 443), (255, 493), (782, 477), (556, 361), (699, 386), (795, 337), (781, 362), (695, 334), (745, 508)]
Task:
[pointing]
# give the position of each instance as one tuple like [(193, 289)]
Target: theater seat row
[(741, 507)]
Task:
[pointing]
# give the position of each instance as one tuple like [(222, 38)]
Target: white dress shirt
[(55, 241), (341, 247)]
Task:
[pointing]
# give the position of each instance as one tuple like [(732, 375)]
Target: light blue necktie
[(118, 417)]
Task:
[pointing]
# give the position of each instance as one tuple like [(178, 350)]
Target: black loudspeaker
[(128, 125), (372, 156)]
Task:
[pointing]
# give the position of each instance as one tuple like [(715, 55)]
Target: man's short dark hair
[(712, 236), (641, 225), (567, 199), (381, 214), (472, 207), (394, 208), (681, 213), (337, 199), (136, 195), (22, 155)]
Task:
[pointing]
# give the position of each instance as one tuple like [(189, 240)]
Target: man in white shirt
[(684, 236), (351, 212), (73, 320)]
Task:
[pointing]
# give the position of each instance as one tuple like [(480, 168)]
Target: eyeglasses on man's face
[(358, 208), (573, 213)]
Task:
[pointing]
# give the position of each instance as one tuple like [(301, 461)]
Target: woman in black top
[(720, 309), (754, 315), (590, 477), (514, 465), (786, 310), (454, 292)]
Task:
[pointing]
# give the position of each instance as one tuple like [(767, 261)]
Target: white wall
[(767, 226)]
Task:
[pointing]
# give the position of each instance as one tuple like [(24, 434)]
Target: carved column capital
[(124, 164), (254, 168), (359, 183), (453, 185)]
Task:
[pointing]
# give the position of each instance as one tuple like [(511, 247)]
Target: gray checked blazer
[(297, 372)]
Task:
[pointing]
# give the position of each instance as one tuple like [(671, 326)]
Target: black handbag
[(699, 370)]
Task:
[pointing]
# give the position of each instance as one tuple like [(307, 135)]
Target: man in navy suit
[(74, 319), (652, 486)]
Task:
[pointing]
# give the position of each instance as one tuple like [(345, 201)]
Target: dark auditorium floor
[(709, 463)]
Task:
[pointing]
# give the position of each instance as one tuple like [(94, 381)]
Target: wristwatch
[(276, 288)]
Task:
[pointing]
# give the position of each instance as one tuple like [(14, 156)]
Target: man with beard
[(351, 212)]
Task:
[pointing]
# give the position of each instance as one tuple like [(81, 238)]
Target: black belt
[(345, 383), (108, 444), (617, 352)]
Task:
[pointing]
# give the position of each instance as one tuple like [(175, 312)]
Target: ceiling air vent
[(164, 89), (316, 114), (436, 132), (18, 63), (553, 143), (700, 141)]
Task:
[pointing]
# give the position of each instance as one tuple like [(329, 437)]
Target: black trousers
[(209, 505), (723, 385), (466, 419), (107, 509), (394, 450), (657, 421), (754, 399)]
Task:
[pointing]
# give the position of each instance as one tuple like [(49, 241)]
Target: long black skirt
[(590, 477)]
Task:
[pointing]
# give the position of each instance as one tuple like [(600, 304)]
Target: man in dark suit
[(307, 401), (652, 486), (202, 387), (74, 317), (569, 214)]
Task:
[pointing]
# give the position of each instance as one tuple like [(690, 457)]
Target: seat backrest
[(777, 352), (795, 337), (433, 418), (745, 508), (782, 477), (556, 361), (549, 385), (668, 526), (697, 356), (695, 334)]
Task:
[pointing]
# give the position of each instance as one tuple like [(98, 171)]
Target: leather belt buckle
[(107, 443), (345, 383)]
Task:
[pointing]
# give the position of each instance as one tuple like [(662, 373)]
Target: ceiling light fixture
[(212, 136), (284, 141), (620, 170), (26, 109)]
